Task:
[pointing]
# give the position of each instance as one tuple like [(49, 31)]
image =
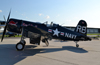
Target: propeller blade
[(8, 17), (3, 33), (5, 26), (4, 18)]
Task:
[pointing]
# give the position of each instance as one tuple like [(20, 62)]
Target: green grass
[(11, 36), (15, 36), (94, 34)]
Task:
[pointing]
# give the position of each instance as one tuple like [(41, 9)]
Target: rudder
[(81, 27)]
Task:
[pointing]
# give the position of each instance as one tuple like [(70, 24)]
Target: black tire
[(77, 45), (20, 46)]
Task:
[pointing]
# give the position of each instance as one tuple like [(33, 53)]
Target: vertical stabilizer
[(81, 27)]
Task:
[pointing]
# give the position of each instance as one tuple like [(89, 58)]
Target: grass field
[(94, 34), (11, 36)]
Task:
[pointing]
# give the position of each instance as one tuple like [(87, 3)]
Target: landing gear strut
[(46, 41), (77, 45), (20, 45)]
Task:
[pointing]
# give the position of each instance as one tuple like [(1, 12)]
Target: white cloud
[(47, 17), (40, 14), (0, 10)]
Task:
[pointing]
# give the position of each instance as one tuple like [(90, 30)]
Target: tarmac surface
[(57, 53)]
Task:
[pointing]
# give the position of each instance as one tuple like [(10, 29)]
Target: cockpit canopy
[(51, 24)]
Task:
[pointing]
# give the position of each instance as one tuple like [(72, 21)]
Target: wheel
[(77, 45), (20, 46)]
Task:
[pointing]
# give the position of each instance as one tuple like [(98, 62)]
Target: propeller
[(5, 26), (4, 18)]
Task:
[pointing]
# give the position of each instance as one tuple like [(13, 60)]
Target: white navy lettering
[(70, 35), (81, 29)]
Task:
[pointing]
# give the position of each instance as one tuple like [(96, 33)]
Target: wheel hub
[(20, 46)]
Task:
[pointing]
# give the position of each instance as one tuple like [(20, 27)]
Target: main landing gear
[(20, 45)]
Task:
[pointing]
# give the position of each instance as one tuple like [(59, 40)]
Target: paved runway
[(57, 53)]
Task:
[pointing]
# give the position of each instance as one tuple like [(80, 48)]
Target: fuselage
[(55, 30)]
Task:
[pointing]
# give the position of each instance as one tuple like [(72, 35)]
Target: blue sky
[(66, 12)]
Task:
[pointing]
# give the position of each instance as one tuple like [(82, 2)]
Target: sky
[(62, 12)]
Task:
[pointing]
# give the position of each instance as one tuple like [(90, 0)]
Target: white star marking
[(56, 32)]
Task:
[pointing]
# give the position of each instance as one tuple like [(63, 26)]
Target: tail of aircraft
[(81, 27)]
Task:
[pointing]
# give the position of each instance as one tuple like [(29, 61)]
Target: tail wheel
[(20, 46), (77, 45)]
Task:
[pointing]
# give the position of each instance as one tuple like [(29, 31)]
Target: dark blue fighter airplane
[(37, 32)]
